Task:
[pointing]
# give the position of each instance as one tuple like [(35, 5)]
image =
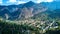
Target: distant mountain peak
[(29, 4)]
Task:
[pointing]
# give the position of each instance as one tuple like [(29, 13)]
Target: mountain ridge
[(26, 10)]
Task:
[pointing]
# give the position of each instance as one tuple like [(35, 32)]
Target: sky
[(9, 2)]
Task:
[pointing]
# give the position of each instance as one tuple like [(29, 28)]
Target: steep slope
[(29, 9), (21, 11), (48, 14)]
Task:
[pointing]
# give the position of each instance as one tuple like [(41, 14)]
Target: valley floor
[(27, 26)]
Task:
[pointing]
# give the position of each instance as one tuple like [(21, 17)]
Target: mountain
[(48, 15), (29, 9), (29, 4), (55, 14), (51, 5)]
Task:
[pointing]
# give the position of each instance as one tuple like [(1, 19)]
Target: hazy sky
[(8, 2)]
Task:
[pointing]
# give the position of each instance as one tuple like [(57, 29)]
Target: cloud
[(0, 1), (12, 1), (48, 0), (38, 1), (20, 2), (15, 2)]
